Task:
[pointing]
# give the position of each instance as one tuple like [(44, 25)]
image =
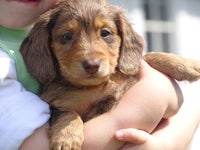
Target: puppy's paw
[(175, 66), (66, 141), (67, 132)]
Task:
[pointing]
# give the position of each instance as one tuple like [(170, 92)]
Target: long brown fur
[(85, 54)]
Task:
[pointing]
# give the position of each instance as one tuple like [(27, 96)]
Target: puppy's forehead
[(85, 11), (82, 6)]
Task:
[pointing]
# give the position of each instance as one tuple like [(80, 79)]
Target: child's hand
[(138, 140)]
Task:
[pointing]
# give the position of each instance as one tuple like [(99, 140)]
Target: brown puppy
[(85, 55)]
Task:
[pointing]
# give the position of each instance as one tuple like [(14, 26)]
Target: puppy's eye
[(67, 37), (105, 33)]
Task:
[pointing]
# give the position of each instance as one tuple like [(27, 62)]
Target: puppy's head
[(85, 41)]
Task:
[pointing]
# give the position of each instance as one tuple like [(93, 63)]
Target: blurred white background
[(167, 25)]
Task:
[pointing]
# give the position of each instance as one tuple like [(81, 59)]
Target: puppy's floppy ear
[(131, 46), (36, 48)]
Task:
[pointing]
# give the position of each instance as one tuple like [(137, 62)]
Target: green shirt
[(10, 41)]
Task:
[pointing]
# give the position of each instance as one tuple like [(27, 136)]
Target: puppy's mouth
[(86, 73), (90, 80), (93, 81), (97, 77), (91, 76)]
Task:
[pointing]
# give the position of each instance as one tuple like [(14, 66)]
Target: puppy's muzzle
[(91, 66)]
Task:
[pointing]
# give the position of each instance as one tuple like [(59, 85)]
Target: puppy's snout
[(91, 66)]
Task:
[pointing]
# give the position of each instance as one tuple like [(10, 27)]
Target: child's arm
[(142, 107), (174, 134), (21, 112), (39, 140)]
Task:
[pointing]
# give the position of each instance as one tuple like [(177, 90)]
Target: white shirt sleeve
[(192, 91), (21, 112)]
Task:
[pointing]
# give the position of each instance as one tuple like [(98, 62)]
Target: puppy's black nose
[(91, 66)]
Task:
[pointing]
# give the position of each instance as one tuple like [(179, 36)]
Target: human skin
[(173, 134), (18, 14), (39, 140)]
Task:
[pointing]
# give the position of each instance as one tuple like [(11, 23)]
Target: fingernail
[(119, 134)]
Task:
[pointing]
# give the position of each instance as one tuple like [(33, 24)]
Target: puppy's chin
[(88, 81)]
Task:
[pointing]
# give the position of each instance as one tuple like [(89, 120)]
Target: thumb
[(131, 135)]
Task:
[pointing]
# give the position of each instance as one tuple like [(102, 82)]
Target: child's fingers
[(131, 135), (138, 140)]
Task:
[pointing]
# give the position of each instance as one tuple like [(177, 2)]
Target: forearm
[(178, 134), (173, 134), (182, 127), (39, 140)]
